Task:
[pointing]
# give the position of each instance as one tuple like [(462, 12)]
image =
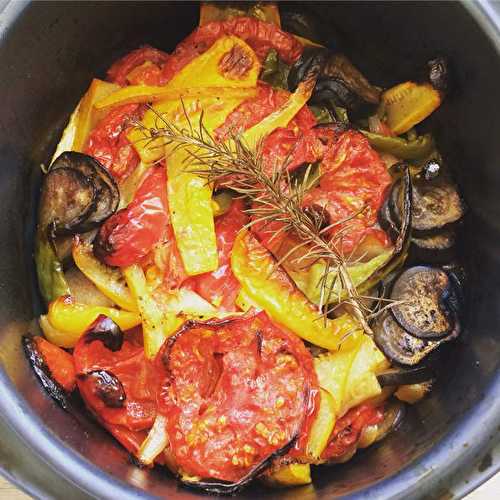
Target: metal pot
[(48, 54)]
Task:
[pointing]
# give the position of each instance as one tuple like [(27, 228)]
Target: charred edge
[(226, 488), (42, 371), (405, 230), (107, 387)]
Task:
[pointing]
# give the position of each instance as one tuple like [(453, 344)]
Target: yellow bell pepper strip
[(416, 149), (108, 280), (152, 94), (156, 324), (272, 290), (53, 335), (192, 217), (282, 116), (73, 319), (308, 280), (265, 11), (49, 269), (322, 427), (409, 103), (229, 62)]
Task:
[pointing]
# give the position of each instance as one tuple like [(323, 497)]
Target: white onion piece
[(155, 442)]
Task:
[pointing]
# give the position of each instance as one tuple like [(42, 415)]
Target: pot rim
[(443, 467)]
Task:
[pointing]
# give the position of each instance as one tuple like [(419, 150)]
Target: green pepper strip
[(415, 149), (49, 270)]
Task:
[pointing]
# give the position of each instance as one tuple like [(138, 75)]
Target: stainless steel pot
[(48, 54)]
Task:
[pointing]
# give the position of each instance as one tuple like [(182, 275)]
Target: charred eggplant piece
[(42, 371), (107, 193), (312, 59), (436, 249), (436, 205), (439, 73), (405, 376), (107, 331), (107, 388), (401, 347), (68, 198), (421, 309), (387, 222)]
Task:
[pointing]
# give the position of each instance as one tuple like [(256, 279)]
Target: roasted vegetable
[(84, 291), (413, 393), (38, 362), (421, 309), (436, 248), (108, 280), (274, 71), (105, 330), (407, 104), (70, 320), (404, 376), (228, 367), (107, 195), (294, 474), (220, 11), (400, 346), (272, 290), (436, 205), (322, 426), (155, 443), (439, 73), (415, 149), (107, 388)]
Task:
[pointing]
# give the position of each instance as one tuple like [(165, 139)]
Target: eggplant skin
[(225, 488), (42, 371), (107, 331), (405, 376), (439, 73), (434, 249)]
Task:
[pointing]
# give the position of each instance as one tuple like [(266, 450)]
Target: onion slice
[(156, 441)]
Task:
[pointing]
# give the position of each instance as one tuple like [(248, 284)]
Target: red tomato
[(220, 287), (120, 69), (59, 362), (296, 144), (347, 430), (109, 144), (352, 186), (261, 36), (130, 234), (235, 393), (136, 375)]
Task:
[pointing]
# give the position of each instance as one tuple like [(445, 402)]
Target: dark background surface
[(47, 58)]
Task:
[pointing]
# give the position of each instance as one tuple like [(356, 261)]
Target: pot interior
[(48, 57)]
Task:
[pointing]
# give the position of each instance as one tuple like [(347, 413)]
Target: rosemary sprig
[(275, 195)]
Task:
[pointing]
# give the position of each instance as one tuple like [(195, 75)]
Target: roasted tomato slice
[(118, 386), (220, 287), (109, 144), (236, 394), (261, 36), (352, 188), (347, 430)]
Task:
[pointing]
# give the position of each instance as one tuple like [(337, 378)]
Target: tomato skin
[(353, 177), (130, 234), (108, 142), (220, 287), (130, 367), (118, 72), (59, 362), (261, 36), (235, 392), (348, 428)]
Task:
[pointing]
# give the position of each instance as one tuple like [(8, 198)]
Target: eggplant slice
[(42, 371), (68, 199), (420, 308), (436, 249), (107, 193), (436, 205), (401, 347)]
